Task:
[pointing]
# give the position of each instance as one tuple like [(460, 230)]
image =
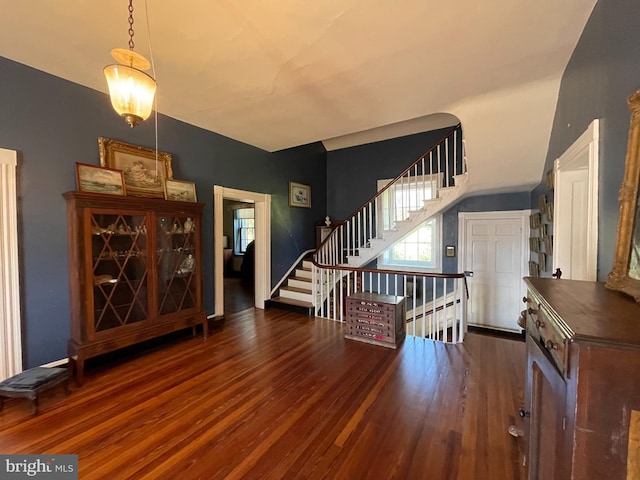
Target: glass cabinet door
[(119, 267), (177, 277)]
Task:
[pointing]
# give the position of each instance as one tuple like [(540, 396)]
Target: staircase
[(423, 190), (426, 188), (385, 238), (297, 292)]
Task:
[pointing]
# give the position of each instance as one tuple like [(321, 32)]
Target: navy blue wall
[(602, 72), (353, 172), (481, 203), (54, 123)]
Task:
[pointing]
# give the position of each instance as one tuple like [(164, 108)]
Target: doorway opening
[(261, 204), (575, 218), (493, 248), (238, 243)]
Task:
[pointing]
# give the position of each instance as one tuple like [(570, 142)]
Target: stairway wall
[(602, 72), (352, 172), (480, 203)]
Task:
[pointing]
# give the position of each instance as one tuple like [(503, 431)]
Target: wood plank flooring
[(273, 395)]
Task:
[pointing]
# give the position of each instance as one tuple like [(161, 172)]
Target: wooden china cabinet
[(135, 272)]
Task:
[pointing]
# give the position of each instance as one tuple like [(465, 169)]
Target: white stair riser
[(304, 273), (305, 297), (299, 284)]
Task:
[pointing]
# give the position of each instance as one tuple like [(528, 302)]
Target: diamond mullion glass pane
[(187, 291), (175, 261)]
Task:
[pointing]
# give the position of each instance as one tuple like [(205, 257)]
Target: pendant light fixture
[(131, 90)]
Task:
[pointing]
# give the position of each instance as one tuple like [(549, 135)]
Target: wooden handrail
[(397, 272), (429, 312), (398, 177)]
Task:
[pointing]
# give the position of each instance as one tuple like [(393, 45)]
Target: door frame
[(10, 320), (521, 215), (262, 204), (567, 162)]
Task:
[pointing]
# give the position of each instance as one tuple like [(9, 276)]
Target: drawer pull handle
[(539, 324), (526, 299), (523, 413), (550, 345), (522, 320), (532, 311)]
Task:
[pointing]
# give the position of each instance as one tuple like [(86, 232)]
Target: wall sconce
[(131, 90)]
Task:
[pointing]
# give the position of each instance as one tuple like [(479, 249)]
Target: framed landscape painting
[(91, 178), (180, 190), (144, 169)]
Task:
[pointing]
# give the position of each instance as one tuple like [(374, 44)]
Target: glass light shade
[(131, 91)]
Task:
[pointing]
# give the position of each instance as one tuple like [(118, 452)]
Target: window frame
[(435, 266), (237, 239)]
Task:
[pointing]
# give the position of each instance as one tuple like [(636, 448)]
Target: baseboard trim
[(492, 332)]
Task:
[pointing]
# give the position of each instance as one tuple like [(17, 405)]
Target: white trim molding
[(262, 204), (581, 155), (10, 329)]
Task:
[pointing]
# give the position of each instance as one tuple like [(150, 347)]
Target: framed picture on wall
[(145, 170), (299, 195), (179, 190), (92, 178)]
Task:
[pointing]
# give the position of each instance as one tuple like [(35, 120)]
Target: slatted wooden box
[(375, 318)]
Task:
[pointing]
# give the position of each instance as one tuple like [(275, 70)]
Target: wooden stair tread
[(296, 289), (292, 301), (301, 279)]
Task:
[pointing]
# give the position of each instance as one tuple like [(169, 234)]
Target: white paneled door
[(493, 248)]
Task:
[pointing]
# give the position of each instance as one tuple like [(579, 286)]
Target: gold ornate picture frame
[(144, 172), (625, 274)]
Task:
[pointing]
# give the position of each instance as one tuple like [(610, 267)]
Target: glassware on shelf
[(188, 225)]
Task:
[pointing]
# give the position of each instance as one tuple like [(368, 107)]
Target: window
[(420, 250), (243, 229)]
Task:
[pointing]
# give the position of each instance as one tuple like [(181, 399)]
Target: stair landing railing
[(419, 182), (436, 303)]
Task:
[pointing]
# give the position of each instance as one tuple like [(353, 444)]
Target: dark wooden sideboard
[(582, 396)]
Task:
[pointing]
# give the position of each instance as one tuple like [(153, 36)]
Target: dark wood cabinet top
[(591, 311), (89, 199), (376, 297)]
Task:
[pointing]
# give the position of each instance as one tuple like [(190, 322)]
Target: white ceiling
[(282, 73)]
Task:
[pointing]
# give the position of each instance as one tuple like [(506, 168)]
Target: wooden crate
[(375, 318)]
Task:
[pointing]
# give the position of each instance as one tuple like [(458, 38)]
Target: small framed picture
[(91, 178), (179, 190), (542, 203), (542, 262), (549, 179), (549, 211), (535, 220), (299, 195)]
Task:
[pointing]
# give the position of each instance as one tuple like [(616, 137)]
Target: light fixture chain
[(131, 33)]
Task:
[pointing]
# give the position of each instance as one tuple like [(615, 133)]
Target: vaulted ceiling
[(282, 73)]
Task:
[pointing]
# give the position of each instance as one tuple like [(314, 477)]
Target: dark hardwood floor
[(238, 295), (274, 394)]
